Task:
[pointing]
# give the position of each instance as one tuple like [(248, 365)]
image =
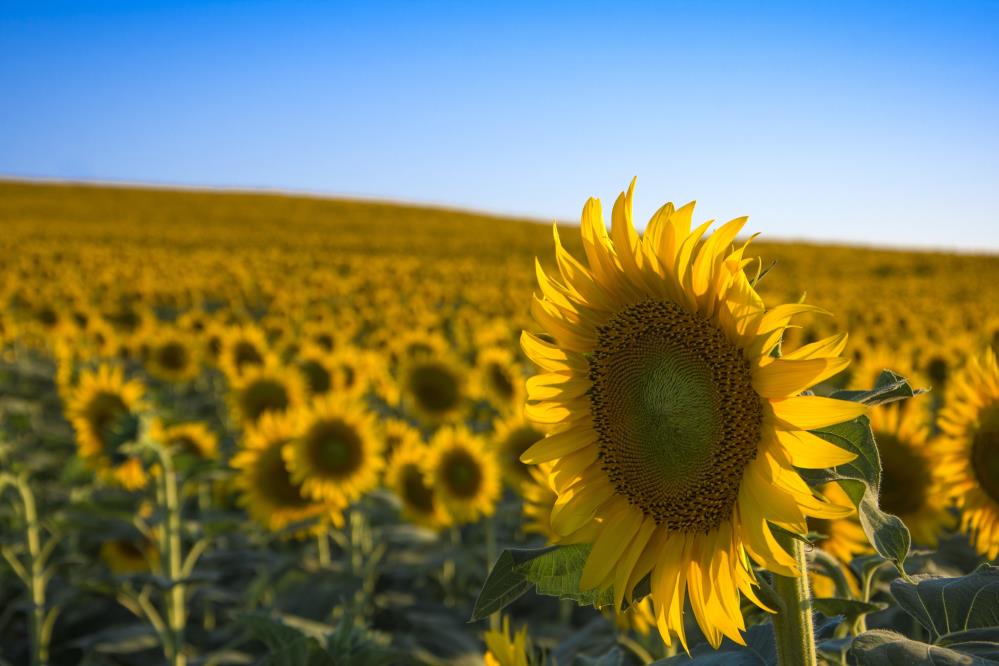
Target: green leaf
[(947, 605), (760, 650), (861, 480), (886, 648), (851, 609), (504, 585), (889, 387), (553, 571), (286, 646)]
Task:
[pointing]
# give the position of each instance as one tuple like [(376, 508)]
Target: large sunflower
[(969, 450), (911, 485), (267, 489), (337, 455), (104, 410), (673, 429), (463, 474)]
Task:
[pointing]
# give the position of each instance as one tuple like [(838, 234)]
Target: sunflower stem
[(490, 526), (793, 622), (323, 545)]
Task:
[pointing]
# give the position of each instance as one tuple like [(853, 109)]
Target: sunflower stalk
[(490, 528), (793, 622), (33, 573)]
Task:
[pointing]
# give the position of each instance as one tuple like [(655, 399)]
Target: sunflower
[(506, 649), (267, 490), (193, 439), (104, 410), (337, 455), (512, 438), (243, 348), (350, 371), (404, 476), (414, 345), (497, 378), (463, 474), (172, 356), (969, 450), (396, 433), (911, 486), (269, 388), (539, 498), (125, 556), (317, 368), (434, 389), (673, 429), (844, 539)]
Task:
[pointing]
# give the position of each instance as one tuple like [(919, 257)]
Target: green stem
[(35, 570), (793, 621), (323, 547), (176, 601), (490, 527)]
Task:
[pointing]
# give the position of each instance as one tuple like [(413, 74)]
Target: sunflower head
[(497, 378), (511, 439), (463, 474), (173, 357), (194, 439), (265, 389), (673, 427), (336, 456), (405, 477), (267, 489), (969, 449), (242, 349), (317, 369), (104, 410), (434, 389), (125, 556)]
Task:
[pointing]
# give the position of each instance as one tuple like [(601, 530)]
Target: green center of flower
[(434, 388), (461, 474), (334, 448), (415, 492), (263, 395), (985, 452), (905, 476), (675, 412)]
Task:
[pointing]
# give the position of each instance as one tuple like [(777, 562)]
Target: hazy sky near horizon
[(821, 120)]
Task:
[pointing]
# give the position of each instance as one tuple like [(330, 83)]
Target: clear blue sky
[(823, 120)]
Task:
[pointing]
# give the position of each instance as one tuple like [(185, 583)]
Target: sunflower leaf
[(948, 605), (861, 480), (886, 648), (889, 387), (553, 571), (851, 609)]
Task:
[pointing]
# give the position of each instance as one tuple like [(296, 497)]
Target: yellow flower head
[(463, 474), (672, 430)]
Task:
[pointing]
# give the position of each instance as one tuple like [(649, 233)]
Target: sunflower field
[(263, 429)]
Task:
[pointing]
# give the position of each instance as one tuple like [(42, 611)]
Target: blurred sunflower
[(262, 389), (969, 450), (673, 430), (506, 649), (539, 498), (498, 379), (911, 486), (844, 539), (336, 455), (434, 389), (173, 356), (243, 348), (396, 433), (267, 490), (125, 556), (104, 410), (193, 439), (317, 368), (405, 478), (463, 474), (511, 439)]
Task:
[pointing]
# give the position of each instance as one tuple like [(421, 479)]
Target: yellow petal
[(808, 412), (781, 378)]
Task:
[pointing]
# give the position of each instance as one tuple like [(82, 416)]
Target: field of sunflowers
[(262, 429)]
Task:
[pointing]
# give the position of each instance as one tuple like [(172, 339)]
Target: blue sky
[(822, 120)]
